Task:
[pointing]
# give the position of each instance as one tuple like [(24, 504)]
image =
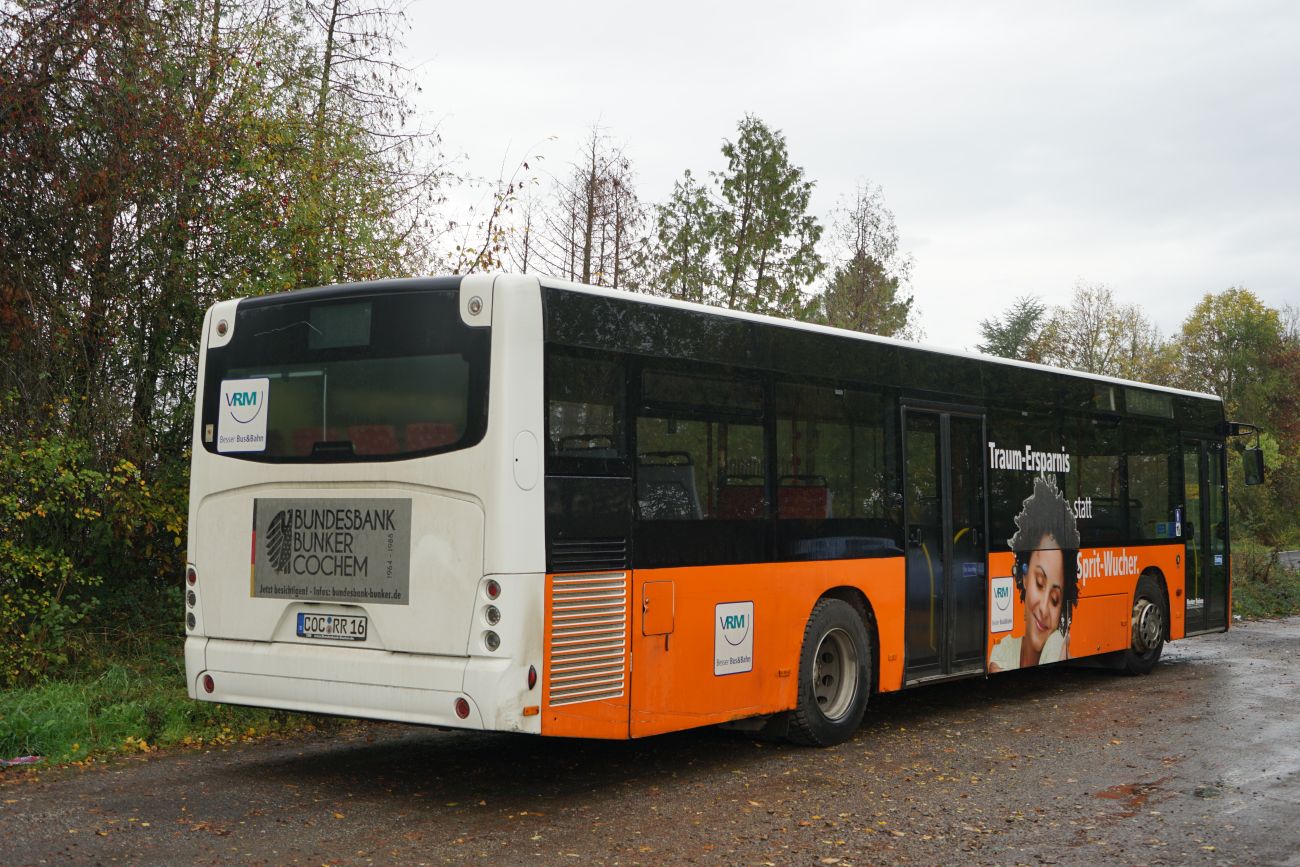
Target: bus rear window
[(340, 378)]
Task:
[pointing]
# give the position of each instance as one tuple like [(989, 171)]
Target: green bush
[(68, 527), (1260, 586)]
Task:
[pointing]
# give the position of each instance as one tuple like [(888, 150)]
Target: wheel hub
[(835, 674), (1148, 626)]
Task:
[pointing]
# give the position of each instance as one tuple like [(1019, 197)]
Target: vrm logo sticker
[(241, 415), (1001, 611), (733, 638)]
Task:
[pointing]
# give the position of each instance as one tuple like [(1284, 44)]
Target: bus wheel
[(1150, 625), (834, 676)]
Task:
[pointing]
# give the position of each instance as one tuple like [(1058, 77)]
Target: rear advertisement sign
[(335, 550)]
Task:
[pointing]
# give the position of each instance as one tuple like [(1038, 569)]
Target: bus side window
[(1096, 486), (700, 450), (1151, 457), (830, 453), (585, 407)]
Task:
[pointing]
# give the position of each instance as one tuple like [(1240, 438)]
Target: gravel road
[(1197, 763)]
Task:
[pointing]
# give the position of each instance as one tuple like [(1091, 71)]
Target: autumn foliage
[(156, 156)]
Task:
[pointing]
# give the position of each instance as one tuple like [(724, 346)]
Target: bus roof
[(623, 294)]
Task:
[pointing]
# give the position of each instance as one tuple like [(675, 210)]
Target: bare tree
[(589, 231), (362, 111), (1098, 335)]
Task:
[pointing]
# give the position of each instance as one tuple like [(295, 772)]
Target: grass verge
[(124, 691)]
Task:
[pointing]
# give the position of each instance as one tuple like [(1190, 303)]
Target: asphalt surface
[(1197, 763)]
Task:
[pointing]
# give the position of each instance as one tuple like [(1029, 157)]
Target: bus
[(511, 503)]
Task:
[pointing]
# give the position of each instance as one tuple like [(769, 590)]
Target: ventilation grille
[(588, 555), (589, 625)]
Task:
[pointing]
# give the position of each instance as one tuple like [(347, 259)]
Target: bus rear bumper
[(345, 681)]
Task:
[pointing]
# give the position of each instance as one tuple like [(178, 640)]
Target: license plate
[(336, 627)]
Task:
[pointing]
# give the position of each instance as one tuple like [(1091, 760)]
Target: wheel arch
[(1158, 576), (861, 604)]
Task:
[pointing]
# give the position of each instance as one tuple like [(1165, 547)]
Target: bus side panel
[(699, 667), (1169, 559), (1100, 624), (886, 589), (590, 643), (1108, 577), (1112, 574)]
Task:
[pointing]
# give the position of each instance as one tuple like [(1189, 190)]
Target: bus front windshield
[(335, 377)]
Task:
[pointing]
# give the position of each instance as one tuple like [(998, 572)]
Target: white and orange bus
[(516, 504)]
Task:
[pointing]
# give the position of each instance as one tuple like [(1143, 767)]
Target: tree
[(1086, 335), (1228, 343), (1097, 335), (865, 292), (763, 235), (766, 241), (1235, 346), (751, 244), (589, 231), (680, 253), (166, 153), (1017, 333), (159, 155), (365, 170)]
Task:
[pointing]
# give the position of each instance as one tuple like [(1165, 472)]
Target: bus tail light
[(191, 576), (532, 676), (493, 588), (462, 708), (209, 685)]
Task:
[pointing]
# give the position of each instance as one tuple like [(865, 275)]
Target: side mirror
[(1252, 465)]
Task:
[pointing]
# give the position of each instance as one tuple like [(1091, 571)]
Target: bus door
[(946, 620), (1205, 535)]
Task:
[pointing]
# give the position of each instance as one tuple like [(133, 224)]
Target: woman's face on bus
[(1044, 592)]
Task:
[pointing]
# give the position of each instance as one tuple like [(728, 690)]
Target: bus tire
[(835, 668), (1150, 626)]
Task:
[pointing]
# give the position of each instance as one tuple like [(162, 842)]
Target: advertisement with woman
[(1046, 547)]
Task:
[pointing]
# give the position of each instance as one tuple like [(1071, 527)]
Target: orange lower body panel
[(714, 644), (695, 646), (1107, 579)]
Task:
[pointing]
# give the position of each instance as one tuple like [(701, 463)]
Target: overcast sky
[(1023, 146)]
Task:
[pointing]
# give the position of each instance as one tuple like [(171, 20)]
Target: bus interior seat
[(1107, 522), (665, 486), (422, 435), (741, 498), (1135, 518), (803, 496), (374, 439), (305, 438)]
